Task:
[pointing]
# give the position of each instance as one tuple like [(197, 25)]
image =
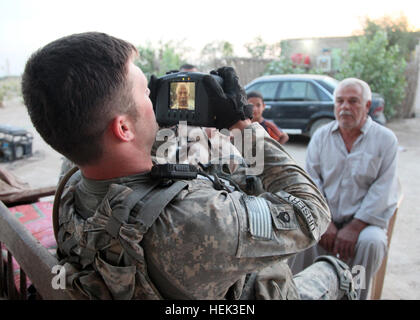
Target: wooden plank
[(379, 278), (2, 275), (22, 285), (30, 254), (10, 277), (31, 195)]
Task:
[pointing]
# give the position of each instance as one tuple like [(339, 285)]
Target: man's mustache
[(345, 113)]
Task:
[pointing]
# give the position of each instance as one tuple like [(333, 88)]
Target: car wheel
[(18, 152), (318, 124)]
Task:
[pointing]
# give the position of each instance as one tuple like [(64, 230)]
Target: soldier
[(123, 234)]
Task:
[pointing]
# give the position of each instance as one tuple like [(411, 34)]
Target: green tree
[(382, 66), (217, 50), (398, 30), (168, 56), (260, 50), (147, 60), (9, 88), (257, 48), (214, 54)]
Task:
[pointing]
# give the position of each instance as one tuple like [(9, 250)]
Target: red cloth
[(37, 219), (272, 129)]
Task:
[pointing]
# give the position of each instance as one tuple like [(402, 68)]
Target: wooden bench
[(35, 261), (378, 279)]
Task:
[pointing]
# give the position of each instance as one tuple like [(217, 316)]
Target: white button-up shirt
[(362, 183)]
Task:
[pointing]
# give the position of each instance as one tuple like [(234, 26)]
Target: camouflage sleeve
[(283, 180), (212, 238)]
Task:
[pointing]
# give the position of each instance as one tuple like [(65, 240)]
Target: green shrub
[(9, 88), (167, 56), (380, 65), (284, 65)]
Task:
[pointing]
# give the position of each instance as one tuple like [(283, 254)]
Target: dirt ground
[(402, 280)]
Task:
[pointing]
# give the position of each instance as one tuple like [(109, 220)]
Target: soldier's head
[(73, 88), (352, 100), (256, 99)]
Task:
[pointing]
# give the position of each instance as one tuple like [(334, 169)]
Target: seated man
[(122, 233), (257, 100), (353, 161)]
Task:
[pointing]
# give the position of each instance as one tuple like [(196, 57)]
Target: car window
[(323, 95), (311, 92), (267, 89), (297, 91), (328, 83)]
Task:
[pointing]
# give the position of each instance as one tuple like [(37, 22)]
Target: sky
[(27, 25)]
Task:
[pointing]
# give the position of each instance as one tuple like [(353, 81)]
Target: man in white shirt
[(353, 161)]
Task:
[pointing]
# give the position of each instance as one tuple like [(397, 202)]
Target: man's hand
[(284, 137), (229, 102), (328, 238), (345, 242)]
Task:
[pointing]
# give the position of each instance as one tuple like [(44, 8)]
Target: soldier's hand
[(328, 238), (229, 100)]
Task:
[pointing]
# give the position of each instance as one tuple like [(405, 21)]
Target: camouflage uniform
[(205, 243)]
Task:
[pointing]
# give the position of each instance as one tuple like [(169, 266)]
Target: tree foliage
[(372, 59), (215, 53), (398, 30), (167, 56), (216, 50), (261, 50), (9, 88), (283, 65)]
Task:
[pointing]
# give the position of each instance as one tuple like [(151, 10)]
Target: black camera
[(181, 96)]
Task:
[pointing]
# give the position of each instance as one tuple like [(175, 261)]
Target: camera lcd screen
[(182, 95)]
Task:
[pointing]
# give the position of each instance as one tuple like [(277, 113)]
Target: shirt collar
[(102, 186), (367, 125), (364, 129)]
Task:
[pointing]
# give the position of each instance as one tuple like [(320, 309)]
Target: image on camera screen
[(182, 95)]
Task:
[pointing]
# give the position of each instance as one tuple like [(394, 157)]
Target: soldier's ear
[(122, 128)]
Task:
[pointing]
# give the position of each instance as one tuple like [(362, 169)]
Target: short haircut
[(187, 66), (254, 94), (366, 92), (73, 87)]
